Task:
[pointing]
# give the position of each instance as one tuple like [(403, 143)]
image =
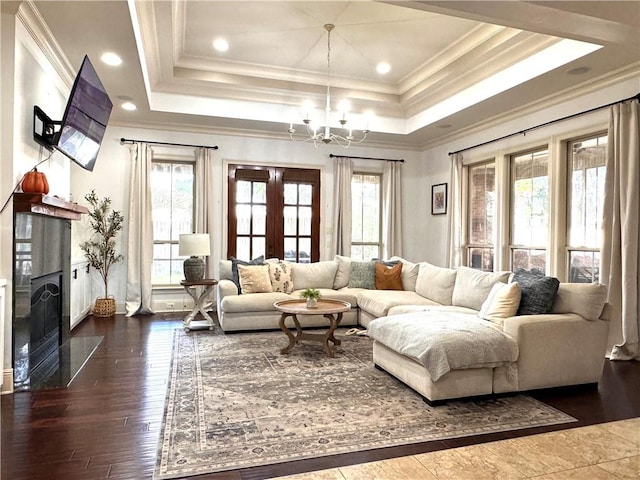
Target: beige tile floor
[(598, 452)]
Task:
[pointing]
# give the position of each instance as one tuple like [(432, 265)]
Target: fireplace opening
[(45, 321)]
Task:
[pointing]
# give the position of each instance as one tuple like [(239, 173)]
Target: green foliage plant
[(100, 250), (310, 293)]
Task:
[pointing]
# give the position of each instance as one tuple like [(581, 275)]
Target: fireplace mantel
[(51, 206)]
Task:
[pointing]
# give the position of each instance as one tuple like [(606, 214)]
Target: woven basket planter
[(104, 307)]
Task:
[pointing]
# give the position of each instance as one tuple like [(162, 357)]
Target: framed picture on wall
[(439, 199)]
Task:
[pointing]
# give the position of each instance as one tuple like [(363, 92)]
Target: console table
[(192, 290)]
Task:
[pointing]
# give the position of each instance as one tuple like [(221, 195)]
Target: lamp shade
[(195, 245)]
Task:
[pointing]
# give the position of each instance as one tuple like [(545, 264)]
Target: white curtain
[(392, 210), (140, 224), (342, 206), (204, 201), (454, 232), (620, 248)]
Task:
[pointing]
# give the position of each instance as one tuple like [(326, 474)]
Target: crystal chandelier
[(324, 134)]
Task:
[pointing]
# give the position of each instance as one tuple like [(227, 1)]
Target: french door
[(275, 212)]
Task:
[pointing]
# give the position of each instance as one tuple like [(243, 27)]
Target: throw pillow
[(254, 278), (388, 278), (342, 274), (234, 267), (472, 286), (538, 291), (409, 273), (280, 274), (502, 302), (585, 299), (362, 275)]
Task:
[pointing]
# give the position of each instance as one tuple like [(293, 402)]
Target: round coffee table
[(332, 310)]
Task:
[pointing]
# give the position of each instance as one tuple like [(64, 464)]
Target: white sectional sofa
[(566, 346)]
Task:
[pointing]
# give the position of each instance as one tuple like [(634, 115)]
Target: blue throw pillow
[(538, 291), (362, 275), (234, 267)]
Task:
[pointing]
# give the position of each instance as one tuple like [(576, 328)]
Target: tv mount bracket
[(44, 129)]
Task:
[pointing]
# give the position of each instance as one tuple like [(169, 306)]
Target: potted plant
[(311, 295), (101, 249)]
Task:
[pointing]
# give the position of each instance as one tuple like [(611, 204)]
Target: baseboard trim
[(7, 381)]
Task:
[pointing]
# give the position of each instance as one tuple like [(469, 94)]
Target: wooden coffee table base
[(324, 338)]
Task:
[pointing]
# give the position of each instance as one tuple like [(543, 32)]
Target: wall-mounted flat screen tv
[(82, 127)]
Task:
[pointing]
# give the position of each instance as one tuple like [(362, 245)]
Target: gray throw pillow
[(538, 291), (234, 267), (362, 275)]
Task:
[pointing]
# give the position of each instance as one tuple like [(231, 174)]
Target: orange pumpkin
[(35, 182)]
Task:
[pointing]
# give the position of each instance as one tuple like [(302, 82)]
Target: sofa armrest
[(225, 288), (558, 349)]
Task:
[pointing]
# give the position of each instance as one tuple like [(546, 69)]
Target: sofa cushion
[(409, 273), (313, 275), (502, 302), (538, 291), (378, 302), (585, 299), (280, 275), (254, 279), (436, 283), (388, 278), (342, 274), (362, 275), (234, 267), (473, 286), (252, 302)]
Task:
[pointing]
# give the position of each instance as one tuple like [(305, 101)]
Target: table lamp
[(194, 245)]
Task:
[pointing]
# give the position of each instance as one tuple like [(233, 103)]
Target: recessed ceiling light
[(111, 58), (221, 45), (578, 70), (383, 68), (130, 106)]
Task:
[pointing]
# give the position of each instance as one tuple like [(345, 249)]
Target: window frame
[(173, 244), (468, 246), (379, 243)]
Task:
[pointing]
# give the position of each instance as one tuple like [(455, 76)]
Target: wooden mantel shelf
[(48, 205)]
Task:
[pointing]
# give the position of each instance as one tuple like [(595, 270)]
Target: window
[(172, 205), (529, 209), (366, 208), (587, 159), (274, 212), (481, 216)]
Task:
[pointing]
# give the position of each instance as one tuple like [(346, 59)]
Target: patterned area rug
[(233, 402)]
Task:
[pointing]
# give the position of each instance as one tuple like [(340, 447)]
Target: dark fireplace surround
[(41, 280)]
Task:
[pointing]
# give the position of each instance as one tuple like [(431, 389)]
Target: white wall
[(110, 177)]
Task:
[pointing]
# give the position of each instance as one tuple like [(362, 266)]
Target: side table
[(192, 290)]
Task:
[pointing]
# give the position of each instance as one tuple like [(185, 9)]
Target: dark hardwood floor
[(106, 423)]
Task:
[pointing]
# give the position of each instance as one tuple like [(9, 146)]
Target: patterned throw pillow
[(362, 275), (280, 274), (388, 278), (538, 291), (234, 267), (254, 278)]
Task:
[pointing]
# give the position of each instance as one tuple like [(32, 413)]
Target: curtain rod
[(522, 132), (331, 155), (128, 140)]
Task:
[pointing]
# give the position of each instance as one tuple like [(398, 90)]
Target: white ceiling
[(277, 58)]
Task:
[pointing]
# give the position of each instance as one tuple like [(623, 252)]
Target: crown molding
[(588, 87), (41, 35)]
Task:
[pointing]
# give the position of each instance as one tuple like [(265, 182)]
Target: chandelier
[(323, 133)]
